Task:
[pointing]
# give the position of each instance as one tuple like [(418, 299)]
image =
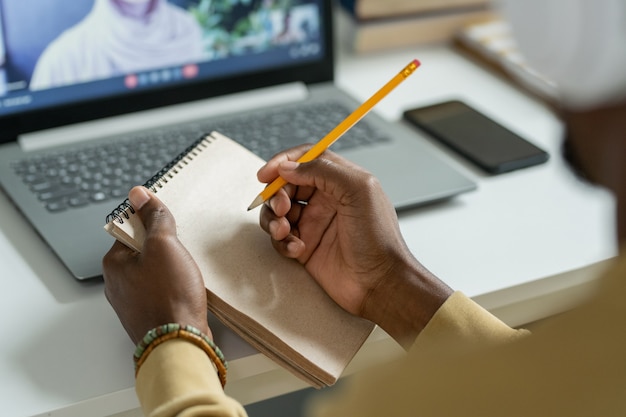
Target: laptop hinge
[(164, 116)]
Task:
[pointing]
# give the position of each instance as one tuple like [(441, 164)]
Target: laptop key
[(99, 196), (78, 201), (58, 193), (56, 206), (42, 186)]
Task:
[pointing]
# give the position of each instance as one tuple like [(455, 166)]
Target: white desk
[(64, 352)]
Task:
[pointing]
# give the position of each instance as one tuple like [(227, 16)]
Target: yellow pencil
[(338, 131)]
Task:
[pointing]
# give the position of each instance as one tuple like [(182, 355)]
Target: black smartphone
[(476, 137)]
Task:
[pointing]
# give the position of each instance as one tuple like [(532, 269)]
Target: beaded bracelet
[(171, 331)]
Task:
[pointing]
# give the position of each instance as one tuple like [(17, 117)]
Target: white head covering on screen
[(116, 39), (578, 44)]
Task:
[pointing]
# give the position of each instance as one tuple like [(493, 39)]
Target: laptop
[(81, 80)]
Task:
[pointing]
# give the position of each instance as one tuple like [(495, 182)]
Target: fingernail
[(273, 226), (138, 197), (289, 165), (293, 248), (269, 204)]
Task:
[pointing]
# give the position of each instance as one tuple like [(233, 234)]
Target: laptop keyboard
[(266, 134), (88, 174)]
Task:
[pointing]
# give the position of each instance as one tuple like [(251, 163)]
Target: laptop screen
[(61, 57)]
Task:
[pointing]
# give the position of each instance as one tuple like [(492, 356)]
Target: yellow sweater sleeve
[(465, 362), (461, 324), (421, 380), (178, 379)]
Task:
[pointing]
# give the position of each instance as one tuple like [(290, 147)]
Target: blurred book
[(492, 44), (394, 31), (372, 9)]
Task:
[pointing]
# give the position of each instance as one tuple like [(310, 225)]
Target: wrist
[(405, 300), (171, 331)]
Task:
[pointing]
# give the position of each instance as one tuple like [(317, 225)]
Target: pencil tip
[(257, 202)]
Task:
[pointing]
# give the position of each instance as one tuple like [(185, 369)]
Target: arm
[(158, 286), (179, 378), (465, 362), (461, 326)]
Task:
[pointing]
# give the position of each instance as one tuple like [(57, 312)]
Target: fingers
[(327, 182), (276, 226), (330, 174), (280, 203), (269, 172), (290, 247), (301, 187), (280, 230)]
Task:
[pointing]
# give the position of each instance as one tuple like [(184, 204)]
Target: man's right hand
[(335, 219)]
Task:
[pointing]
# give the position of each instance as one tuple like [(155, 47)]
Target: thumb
[(154, 215), (336, 177)]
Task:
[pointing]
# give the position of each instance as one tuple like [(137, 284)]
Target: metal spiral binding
[(158, 180), (119, 213)]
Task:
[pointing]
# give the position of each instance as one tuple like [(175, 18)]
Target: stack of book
[(492, 43), (377, 25)]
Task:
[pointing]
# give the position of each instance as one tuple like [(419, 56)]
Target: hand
[(346, 234), (160, 285)]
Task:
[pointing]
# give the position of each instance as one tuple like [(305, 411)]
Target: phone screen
[(476, 137)]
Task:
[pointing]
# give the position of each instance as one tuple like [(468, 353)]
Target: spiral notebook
[(267, 299)]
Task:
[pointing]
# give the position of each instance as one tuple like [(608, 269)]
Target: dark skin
[(379, 277), (598, 142), (347, 237), (140, 287), (349, 229)]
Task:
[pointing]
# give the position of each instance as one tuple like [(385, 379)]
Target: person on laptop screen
[(117, 48), (461, 360), (120, 37)]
